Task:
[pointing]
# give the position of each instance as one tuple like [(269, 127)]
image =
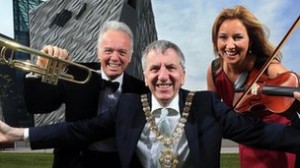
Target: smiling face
[(114, 53), (232, 41), (164, 75)]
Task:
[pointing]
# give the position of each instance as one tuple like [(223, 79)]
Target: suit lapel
[(128, 84), (137, 123), (191, 129)]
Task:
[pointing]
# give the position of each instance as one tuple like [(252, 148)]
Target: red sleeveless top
[(225, 88), (249, 156)]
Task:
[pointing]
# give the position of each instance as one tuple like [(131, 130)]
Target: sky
[(188, 24)]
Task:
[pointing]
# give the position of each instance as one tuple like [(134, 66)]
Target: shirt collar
[(119, 79), (174, 103)]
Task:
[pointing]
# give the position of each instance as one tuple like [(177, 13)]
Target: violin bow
[(267, 63)]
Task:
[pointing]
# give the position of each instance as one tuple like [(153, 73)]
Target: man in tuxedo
[(115, 48), (197, 122)]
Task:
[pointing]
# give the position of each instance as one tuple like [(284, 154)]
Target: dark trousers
[(85, 159)]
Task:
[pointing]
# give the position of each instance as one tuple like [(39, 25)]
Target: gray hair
[(116, 26), (161, 46)]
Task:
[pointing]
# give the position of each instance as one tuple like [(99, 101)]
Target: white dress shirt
[(118, 79), (148, 148)]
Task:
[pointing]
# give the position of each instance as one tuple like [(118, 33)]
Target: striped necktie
[(163, 124)]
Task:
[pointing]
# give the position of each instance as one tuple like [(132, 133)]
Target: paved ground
[(229, 147)]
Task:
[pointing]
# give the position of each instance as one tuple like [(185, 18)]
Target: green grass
[(26, 160), (44, 160), (230, 160)]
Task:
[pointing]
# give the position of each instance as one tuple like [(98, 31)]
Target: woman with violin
[(242, 49)]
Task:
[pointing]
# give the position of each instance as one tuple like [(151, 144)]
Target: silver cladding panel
[(78, 36)]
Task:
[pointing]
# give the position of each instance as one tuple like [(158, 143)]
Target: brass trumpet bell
[(54, 70)]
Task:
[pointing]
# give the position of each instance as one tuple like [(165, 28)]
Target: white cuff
[(26, 134)]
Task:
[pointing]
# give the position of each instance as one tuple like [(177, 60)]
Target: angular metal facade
[(75, 25), (76, 30)]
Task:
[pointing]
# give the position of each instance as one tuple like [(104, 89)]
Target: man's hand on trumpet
[(53, 51)]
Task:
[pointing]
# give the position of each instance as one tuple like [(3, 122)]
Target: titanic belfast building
[(73, 25)]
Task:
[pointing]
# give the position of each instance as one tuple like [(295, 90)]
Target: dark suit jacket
[(81, 101), (209, 121)]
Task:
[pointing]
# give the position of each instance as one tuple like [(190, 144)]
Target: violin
[(257, 93), (274, 95)]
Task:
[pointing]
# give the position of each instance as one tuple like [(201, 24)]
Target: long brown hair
[(257, 32)]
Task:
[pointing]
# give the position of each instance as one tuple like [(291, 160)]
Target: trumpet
[(54, 70)]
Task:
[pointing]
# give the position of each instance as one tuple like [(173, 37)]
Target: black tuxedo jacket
[(209, 121), (81, 101)]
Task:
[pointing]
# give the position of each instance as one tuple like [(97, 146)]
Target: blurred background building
[(70, 24)]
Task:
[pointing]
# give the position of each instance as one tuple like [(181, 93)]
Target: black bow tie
[(113, 85)]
